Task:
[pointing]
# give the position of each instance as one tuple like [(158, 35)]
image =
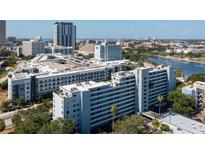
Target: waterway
[(188, 68)]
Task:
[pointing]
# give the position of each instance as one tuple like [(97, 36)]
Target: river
[(188, 68)]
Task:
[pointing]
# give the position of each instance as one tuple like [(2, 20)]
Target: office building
[(152, 83), (65, 34), (89, 103), (33, 47), (2, 32), (108, 52), (45, 73)]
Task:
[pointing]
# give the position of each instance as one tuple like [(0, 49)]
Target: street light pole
[(170, 111)]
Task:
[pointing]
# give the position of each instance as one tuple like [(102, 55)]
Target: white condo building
[(152, 83), (45, 73), (89, 103), (108, 52)]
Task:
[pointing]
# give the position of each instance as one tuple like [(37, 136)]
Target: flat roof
[(184, 124), (83, 86), (49, 65)]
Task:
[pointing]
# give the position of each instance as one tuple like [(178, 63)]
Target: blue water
[(187, 68)]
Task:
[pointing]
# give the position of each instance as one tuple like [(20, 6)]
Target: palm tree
[(114, 111), (160, 100)]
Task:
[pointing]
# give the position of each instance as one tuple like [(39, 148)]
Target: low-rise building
[(197, 90), (87, 49)]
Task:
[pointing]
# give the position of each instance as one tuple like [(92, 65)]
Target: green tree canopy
[(181, 103), (20, 102), (4, 85), (134, 124), (165, 128), (197, 77), (2, 125), (38, 120), (59, 126), (5, 106), (155, 123)]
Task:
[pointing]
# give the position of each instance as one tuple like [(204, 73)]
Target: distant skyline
[(159, 29)]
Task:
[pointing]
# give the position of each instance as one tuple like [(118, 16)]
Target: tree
[(197, 77), (38, 120), (130, 125), (2, 125), (165, 128), (4, 85), (20, 102), (181, 103), (114, 111), (155, 123), (5, 106), (45, 106), (59, 126), (160, 100), (30, 121)]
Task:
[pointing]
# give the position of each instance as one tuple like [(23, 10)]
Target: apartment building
[(45, 73), (152, 83), (89, 103), (108, 52)]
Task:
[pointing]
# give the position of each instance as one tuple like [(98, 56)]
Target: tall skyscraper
[(64, 34), (2, 32)]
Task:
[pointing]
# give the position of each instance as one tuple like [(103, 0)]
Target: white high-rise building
[(152, 83), (64, 34), (89, 103), (108, 52)]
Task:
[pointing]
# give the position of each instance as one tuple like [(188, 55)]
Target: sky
[(159, 29)]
